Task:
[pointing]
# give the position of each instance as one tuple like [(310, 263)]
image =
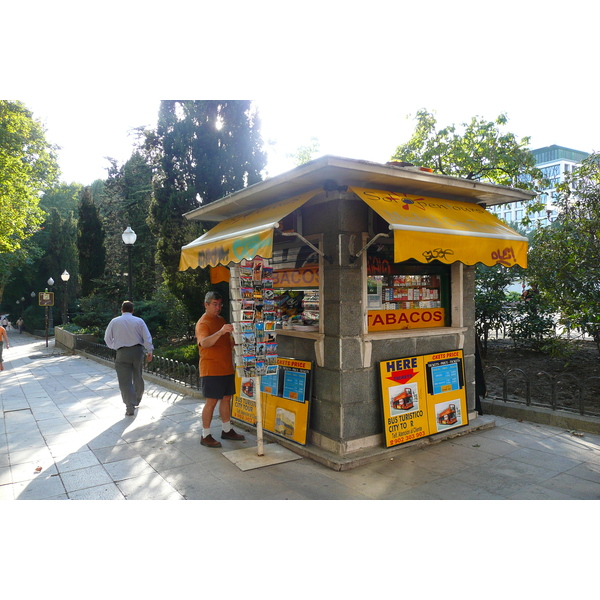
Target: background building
[(555, 163)]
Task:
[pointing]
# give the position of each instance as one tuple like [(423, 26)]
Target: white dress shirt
[(128, 330)]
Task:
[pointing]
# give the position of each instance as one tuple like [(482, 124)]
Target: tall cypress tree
[(126, 202), (204, 150), (90, 243)]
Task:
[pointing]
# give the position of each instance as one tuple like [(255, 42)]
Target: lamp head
[(129, 237)]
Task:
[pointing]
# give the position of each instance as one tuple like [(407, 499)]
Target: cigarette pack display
[(404, 291)]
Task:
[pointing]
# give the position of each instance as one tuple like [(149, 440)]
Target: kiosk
[(371, 268)]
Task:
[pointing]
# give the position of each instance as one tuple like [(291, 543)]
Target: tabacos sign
[(414, 318)]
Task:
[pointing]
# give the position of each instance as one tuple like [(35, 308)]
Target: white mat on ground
[(247, 458)]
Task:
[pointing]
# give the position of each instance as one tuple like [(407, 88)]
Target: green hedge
[(186, 353)]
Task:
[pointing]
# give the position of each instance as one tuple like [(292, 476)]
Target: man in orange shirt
[(216, 369)]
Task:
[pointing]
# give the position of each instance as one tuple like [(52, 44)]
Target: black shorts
[(217, 386)]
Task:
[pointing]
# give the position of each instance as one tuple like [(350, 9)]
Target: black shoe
[(130, 411)]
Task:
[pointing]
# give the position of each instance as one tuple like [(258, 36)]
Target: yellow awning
[(242, 237), (428, 229)]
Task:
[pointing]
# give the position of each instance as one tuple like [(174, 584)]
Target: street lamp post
[(65, 277), (129, 238), (51, 324)]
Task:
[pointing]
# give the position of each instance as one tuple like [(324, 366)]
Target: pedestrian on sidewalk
[(20, 324), (130, 337), (217, 372), (3, 340)]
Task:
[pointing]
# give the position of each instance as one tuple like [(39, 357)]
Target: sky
[(350, 76), (352, 127)]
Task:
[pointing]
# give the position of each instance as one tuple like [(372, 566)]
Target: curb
[(541, 415)]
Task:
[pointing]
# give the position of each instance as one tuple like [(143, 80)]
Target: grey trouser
[(129, 364)]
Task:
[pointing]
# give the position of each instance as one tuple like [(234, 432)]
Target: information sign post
[(46, 299)]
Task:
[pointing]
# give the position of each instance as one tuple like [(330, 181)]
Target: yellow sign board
[(414, 318), (285, 399), (422, 395)]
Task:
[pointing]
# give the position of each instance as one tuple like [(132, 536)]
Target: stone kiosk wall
[(346, 413)]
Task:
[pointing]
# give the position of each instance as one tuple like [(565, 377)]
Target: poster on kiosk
[(422, 395)]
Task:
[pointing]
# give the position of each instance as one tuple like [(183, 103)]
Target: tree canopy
[(482, 151), (477, 150), (202, 150), (564, 260), (28, 166)]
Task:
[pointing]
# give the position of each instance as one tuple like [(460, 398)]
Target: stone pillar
[(343, 407)]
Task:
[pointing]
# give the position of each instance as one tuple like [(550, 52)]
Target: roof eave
[(344, 171)]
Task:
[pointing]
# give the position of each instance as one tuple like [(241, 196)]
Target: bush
[(557, 347), (97, 331), (34, 317), (96, 312), (164, 315), (490, 300), (187, 353), (175, 322), (533, 323)]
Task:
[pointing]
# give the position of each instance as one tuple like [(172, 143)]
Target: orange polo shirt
[(216, 360)]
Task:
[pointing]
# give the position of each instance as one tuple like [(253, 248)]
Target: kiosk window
[(296, 287), (406, 295)]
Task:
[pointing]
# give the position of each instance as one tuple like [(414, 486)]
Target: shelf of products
[(395, 292), (297, 309)]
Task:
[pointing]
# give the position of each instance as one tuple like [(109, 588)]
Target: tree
[(90, 243), (564, 260), (491, 311), (57, 239), (478, 150), (28, 165), (64, 197), (202, 150), (15, 272), (481, 151), (305, 153), (125, 201)]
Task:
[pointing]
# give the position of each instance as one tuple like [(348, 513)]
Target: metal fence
[(557, 392), (165, 368)]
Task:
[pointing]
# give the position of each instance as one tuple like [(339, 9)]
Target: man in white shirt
[(130, 337)]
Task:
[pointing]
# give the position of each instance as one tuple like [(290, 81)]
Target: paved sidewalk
[(64, 435)]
